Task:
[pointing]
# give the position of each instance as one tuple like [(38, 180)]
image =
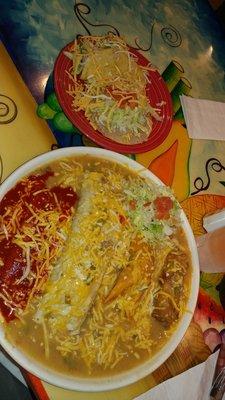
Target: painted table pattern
[(184, 41)]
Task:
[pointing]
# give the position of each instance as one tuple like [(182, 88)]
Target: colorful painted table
[(185, 42)]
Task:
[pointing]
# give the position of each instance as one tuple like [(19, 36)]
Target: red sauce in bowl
[(19, 208)]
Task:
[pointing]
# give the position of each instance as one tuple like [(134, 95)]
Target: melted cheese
[(96, 243)]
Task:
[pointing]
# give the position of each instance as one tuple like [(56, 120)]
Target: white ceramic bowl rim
[(130, 376)]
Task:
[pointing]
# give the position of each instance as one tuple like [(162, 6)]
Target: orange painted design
[(198, 206), (164, 165), (180, 169), (36, 386)]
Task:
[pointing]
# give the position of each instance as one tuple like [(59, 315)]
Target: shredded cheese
[(80, 270), (27, 270)]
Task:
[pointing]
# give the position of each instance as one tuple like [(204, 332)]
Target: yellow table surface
[(27, 135)]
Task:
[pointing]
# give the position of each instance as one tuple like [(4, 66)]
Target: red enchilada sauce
[(21, 207)]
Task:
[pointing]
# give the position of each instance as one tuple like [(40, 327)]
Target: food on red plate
[(109, 86)]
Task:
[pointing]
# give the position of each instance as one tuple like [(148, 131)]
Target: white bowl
[(130, 376)]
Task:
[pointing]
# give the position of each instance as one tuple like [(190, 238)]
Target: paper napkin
[(193, 384), (205, 119)]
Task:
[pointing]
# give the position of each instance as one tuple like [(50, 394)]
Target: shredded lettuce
[(143, 215), (122, 119)]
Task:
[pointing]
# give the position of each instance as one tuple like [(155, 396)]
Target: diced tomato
[(130, 102), (122, 219), (163, 205), (132, 204), (117, 95)]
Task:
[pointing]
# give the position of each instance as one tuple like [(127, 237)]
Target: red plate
[(157, 93)]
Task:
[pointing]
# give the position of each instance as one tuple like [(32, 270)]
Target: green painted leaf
[(45, 112), (52, 101), (62, 123)]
